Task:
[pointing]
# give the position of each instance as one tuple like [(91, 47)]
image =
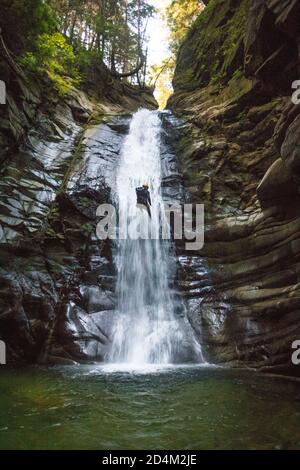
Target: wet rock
[(96, 299), (81, 337), (277, 186)]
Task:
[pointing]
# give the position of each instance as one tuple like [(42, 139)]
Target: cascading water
[(147, 329)]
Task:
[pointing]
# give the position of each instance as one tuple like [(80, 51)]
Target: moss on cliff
[(214, 47)]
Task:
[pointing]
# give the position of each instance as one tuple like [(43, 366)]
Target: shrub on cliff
[(54, 57), (22, 21)]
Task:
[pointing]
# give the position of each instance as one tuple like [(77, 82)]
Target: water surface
[(89, 407)]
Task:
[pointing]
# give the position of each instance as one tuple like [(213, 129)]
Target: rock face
[(58, 162), (56, 277), (238, 148)]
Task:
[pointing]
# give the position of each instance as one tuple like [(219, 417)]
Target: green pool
[(86, 407)]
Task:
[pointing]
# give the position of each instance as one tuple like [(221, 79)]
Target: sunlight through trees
[(178, 16)]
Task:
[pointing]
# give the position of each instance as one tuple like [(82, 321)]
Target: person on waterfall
[(144, 198)]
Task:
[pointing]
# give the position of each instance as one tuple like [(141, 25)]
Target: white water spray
[(147, 330)]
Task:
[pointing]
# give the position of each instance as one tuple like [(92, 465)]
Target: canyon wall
[(238, 147)]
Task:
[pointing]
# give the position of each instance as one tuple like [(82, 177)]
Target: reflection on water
[(89, 407)]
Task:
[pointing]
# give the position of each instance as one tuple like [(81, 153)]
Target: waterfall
[(148, 328)]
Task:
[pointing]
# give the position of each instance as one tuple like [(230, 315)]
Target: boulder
[(277, 186)]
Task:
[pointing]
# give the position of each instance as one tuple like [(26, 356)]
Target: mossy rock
[(213, 49)]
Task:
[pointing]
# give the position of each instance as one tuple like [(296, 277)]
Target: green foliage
[(160, 77), (238, 74), (233, 37), (22, 21), (55, 57), (87, 58), (40, 17), (110, 31), (180, 15)]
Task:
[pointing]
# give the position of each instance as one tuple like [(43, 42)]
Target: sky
[(158, 32)]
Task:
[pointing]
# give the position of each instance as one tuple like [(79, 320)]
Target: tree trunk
[(73, 27), (133, 72)]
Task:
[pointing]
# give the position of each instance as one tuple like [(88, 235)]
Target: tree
[(161, 80), (115, 30), (179, 15), (22, 21), (55, 58)]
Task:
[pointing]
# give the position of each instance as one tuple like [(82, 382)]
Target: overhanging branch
[(132, 72)]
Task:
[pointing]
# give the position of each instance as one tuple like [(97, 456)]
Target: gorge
[(121, 329), (237, 124)]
